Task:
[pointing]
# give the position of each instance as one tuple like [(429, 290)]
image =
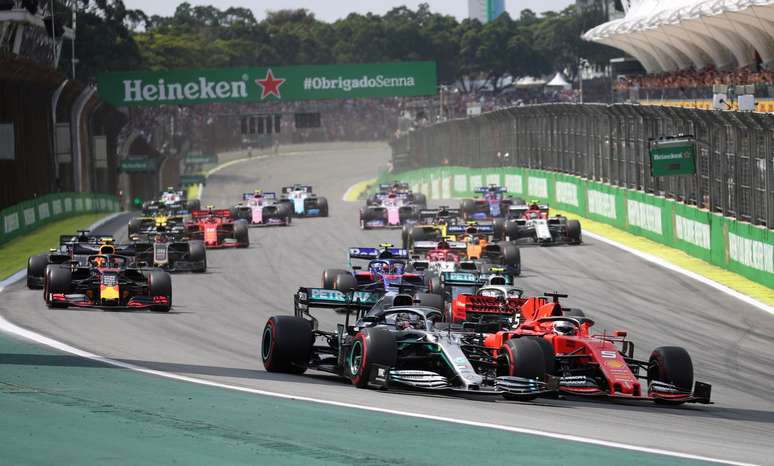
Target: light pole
[(582, 64)]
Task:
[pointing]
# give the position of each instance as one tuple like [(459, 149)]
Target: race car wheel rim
[(267, 343), (356, 358)]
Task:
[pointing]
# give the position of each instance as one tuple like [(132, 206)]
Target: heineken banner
[(187, 86)]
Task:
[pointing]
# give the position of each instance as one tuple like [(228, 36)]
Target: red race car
[(540, 336), (217, 229)]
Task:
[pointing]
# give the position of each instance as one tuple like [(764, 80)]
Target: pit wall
[(735, 246), (26, 216)]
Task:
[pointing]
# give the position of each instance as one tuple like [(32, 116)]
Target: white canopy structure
[(559, 81), (670, 35)]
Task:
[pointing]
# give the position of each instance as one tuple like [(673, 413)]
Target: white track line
[(11, 328)]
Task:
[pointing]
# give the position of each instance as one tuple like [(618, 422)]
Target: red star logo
[(270, 85)]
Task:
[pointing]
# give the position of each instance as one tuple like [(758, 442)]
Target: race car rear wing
[(290, 189), (472, 229), (432, 213), (490, 189), (422, 247), (326, 298), (376, 253), (225, 213), (472, 278), (269, 196)]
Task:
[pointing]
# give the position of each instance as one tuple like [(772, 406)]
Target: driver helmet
[(100, 261), (402, 321), (563, 327), (258, 193), (534, 204), (379, 267)]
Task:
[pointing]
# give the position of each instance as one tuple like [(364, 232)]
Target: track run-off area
[(213, 334)]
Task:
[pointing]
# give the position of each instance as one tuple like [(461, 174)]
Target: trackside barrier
[(737, 246), (29, 215)]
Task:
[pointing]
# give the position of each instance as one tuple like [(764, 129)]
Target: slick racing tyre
[(345, 283), (499, 225), (134, 227), (194, 204), (242, 234), (322, 204), (467, 207), (405, 236), (420, 200), (285, 211), (511, 257), (574, 234), (522, 357), (672, 365), (58, 279), (371, 347), (197, 253), (160, 284), (36, 268), (329, 277), (286, 344)]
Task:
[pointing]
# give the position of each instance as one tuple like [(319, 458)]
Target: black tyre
[(420, 200), (522, 357), (286, 344), (431, 300), (322, 204), (135, 225), (434, 285), (58, 279), (548, 354), (344, 282), (284, 210), (242, 234), (574, 234), (194, 204), (419, 234), (329, 277), (160, 284), (499, 225), (672, 365), (511, 257), (512, 231), (197, 253), (372, 346), (36, 268)]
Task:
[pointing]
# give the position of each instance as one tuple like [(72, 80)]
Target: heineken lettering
[(136, 91), (181, 86)]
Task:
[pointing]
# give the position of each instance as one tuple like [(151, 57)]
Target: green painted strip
[(63, 409)]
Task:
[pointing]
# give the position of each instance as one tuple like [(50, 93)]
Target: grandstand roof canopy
[(670, 35)]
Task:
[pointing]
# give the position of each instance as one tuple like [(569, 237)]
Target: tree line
[(111, 37)]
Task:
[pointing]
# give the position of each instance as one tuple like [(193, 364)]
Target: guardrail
[(736, 246), (29, 215), (609, 144)]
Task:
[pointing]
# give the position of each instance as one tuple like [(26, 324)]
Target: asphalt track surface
[(214, 329)]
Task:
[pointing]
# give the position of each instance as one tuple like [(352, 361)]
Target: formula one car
[(217, 229), (394, 211), (533, 222), (166, 251), (107, 281), (171, 202), (589, 364), (449, 286), (492, 204), (71, 248), (304, 202), (173, 224), (398, 188), (387, 269), (263, 209), (430, 226), (395, 341)]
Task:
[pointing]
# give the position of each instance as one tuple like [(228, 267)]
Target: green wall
[(29, 215)]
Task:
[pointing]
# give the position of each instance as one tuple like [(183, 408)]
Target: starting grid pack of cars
[(442, 312)]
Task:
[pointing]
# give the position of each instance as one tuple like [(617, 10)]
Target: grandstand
[(672, 35)]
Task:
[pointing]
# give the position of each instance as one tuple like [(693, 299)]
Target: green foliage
[(196, 36)]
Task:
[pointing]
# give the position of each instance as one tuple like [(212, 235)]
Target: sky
[(331, 10)]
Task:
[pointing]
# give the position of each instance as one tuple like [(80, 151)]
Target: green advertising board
[(308, 82), (673, 156), (198, 159), (137, 165)]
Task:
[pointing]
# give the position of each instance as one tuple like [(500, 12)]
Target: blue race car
[(388, 269), (493, 203), (305, 203)]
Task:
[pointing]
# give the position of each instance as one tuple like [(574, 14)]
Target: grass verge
[(14, 254)]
